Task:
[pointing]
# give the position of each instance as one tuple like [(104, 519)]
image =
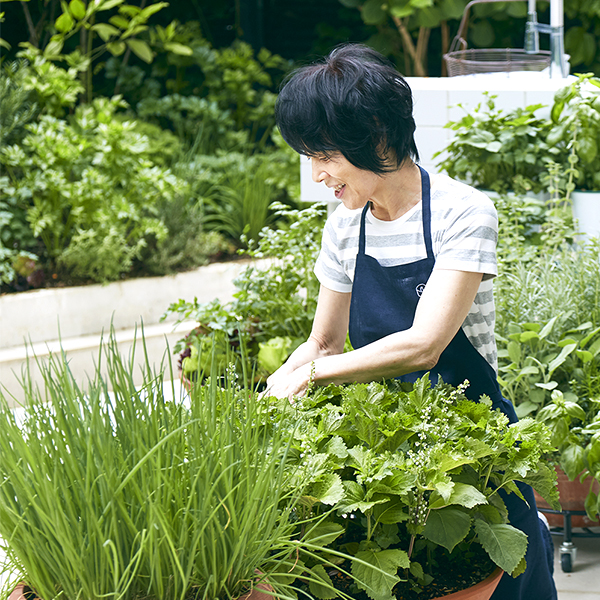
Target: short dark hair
[(355, 102)]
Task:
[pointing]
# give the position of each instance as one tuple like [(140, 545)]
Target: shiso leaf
[(447, 527), (379, 579), (505, 544), (325, 590)]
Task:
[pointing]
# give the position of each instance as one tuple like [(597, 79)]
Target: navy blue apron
[(384, 301)]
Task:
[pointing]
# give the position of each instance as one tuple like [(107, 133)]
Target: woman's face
[(353, 186)]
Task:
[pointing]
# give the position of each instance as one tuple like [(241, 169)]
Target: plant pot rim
[(489, 584)]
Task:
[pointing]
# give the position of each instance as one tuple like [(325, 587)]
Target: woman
[(406, 263)]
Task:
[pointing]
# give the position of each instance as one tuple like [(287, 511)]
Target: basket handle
[(459, 40)]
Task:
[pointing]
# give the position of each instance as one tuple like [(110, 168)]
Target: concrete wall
[(41, 322)]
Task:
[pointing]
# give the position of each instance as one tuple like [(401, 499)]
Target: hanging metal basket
[(463, 61)]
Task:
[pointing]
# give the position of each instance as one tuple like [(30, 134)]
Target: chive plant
[(114, 490)]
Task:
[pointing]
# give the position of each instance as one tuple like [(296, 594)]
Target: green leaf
[(54, 47), (547, 329), (351, 3), (328, 490), (119, 21), (543, 481), (141, 50), (529, 335), (463, 495), (380, 577), (105, 31), (323, 588), (64, 23), (505, 544), (323, 534), (108, 4), (575, 411), (447, 527), (179, 49), (116, 48), (514, 351), (355, 499), (547, 386), (560, 359), (373, 13), (77, 8), (571, 461)]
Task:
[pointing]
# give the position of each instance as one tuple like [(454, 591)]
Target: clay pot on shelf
[(572, 496)]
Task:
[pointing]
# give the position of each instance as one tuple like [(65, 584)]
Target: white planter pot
[(586, 212)]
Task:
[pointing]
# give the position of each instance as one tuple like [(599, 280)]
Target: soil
[(448, 578)]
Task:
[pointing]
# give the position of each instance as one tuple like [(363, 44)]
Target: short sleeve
[(468, 240), (328, 267)]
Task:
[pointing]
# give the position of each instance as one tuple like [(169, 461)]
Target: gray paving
[(583, 583)]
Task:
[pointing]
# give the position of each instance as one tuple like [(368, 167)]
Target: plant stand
[(567, 550)]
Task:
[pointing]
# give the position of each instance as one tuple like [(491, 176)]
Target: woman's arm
[(444, 305)]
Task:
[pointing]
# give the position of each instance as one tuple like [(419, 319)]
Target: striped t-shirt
[(464, 232)]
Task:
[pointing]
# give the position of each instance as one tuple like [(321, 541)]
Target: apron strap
[(426, 211)]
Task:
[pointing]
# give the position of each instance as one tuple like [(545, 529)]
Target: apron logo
[(420, 289)]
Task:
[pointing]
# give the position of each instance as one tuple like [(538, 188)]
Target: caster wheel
[(566, 563)]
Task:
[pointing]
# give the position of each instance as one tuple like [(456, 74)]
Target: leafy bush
[(500, 150), (276, 299), (89, 189), (413, 474)]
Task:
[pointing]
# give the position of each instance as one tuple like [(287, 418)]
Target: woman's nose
[(318, 171)]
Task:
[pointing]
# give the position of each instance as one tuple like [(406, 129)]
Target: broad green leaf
[(447, 527), (179, 49), (337, 447), (323, 533), (575, 411), (355, 499), (494, 146), (379, 575), (525, 408), (323, 588), (547, 386), (108, 4), (529, 335), (77, 8), (560, 359), (463, 495), (392, 512), (591, 505), (571, 461), (373, 13), (329, 490), (105, 31), (505, 544), (544, 483), (147, 12), (584, 355), (593, 454), (547, 329), (54, 46), (141, 50), (116, 48), (119, 21), (64, 23), (514, 351)]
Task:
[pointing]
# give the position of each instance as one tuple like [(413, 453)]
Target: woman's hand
[(289, 383)]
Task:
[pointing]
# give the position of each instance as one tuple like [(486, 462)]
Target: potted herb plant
[(414, 474), (576, 127), (500, 151), (116, 490)]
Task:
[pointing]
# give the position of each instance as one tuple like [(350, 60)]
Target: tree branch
[(33, 38)]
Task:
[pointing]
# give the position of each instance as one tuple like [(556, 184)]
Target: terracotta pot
[(572, 497), (481, 591), (22, 592)]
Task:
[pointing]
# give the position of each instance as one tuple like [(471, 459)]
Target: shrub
[(89, 189)]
